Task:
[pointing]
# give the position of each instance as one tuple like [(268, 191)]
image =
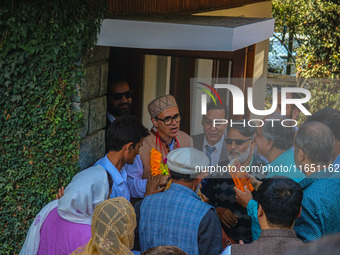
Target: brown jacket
[(271, 242), (183, 139)]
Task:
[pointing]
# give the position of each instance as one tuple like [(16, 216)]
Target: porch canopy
[(184, 32)]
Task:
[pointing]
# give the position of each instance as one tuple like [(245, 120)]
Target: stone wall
[(91, 100)]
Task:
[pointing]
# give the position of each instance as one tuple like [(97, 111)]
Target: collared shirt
[(119, 188), (137, 185), (286, 159), (336, 163), (284, 165), (110, 117), (320, 205), (215, 155), (271, 241)]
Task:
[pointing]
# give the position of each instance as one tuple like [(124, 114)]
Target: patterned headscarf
[(113, 225)]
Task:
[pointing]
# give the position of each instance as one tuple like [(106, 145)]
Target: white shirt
[(110, 117), (216, 154)]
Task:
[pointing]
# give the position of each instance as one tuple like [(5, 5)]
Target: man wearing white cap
[(177, 216)]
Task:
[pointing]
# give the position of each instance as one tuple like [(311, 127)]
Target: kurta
[(184, 140)]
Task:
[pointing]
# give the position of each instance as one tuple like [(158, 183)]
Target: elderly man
[(165, 134), (331, 118), (212, 141), (177, 216), (220, 191), (313, 150), (274, 141), (279, 206)]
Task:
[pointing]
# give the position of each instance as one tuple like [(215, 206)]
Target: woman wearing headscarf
[(113, 225), (65, 224)]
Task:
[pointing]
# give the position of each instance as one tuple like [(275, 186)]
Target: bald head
[(316, 140)]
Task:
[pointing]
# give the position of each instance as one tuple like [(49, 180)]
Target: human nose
[(233, 145), (123, 99)]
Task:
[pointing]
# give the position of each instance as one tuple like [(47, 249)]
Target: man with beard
[(220, 191), (118, 100)]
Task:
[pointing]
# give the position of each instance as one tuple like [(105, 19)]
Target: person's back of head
[(124, 130), (316, 140), (280, 199), (273, 130), (164, 250), (185, 164), (330, 117), (112, 228)]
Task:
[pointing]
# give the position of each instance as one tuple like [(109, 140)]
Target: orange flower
[(155, 162)]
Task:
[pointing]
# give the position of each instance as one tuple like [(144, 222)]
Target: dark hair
[(110, 180), (280, 199), (317, 141), (178, 176), (246, 130), (117, 78), (281, 136), (123, 130), (164, 250), (212, 106), (330, 117)]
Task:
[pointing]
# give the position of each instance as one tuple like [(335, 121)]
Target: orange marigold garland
[(157, 166)]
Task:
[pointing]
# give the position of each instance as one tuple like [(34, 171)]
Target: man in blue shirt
[(124, 138), (274, 141), (313, 150), (331, 118)]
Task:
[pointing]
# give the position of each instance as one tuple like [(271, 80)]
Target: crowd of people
[(145, 196)]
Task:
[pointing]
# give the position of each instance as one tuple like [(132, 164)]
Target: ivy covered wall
[(41, 43)]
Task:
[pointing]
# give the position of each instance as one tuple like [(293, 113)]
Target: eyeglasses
[(118, 96), (237, 141), (168, 120)]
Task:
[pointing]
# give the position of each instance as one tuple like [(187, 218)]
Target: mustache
[(123, 104)]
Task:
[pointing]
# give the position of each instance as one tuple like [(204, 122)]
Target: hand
[(256, 183), (156, 184), (243, 197), (227, 217), (60, 193), (241, 242), (164, 180)]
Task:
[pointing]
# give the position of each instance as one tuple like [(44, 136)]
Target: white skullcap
[(187, 160)]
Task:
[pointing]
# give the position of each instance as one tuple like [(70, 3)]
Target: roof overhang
[(185, 32)]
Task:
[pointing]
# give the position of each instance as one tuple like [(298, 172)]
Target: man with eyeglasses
[(211, 142), (119, 100), (240, 144), (165, 134)]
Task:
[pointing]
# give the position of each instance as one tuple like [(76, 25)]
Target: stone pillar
[(91, 100)]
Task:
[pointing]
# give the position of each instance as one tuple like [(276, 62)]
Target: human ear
[(154, 122)]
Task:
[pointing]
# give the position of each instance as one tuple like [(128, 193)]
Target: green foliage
[(40, 44), (315, 24)]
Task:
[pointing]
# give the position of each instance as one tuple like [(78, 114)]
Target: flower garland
[(157, 166)]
